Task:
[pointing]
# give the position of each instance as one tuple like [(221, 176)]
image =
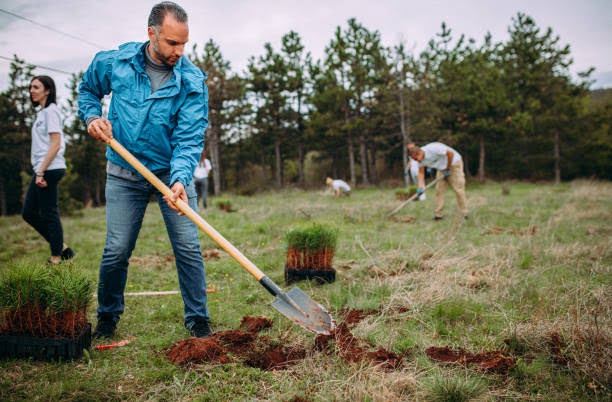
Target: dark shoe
[(67, 254), (200, 328), (105, 329), (437, 218), (465, 217)]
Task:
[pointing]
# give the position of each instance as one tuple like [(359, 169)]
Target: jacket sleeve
[(95, 85), (187, 140)]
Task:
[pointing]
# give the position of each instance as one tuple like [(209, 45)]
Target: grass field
[(529, 274)]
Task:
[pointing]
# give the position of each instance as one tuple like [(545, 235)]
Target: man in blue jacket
[(159, 112)]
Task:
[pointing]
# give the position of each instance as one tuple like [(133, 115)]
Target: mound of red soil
[(352, 349), (494, 360), (247, 347), (353, 317), (242, 346), (238, 342), (197, 350), (255, 324)]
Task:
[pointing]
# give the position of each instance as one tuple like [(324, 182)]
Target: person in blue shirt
[(159, 112)]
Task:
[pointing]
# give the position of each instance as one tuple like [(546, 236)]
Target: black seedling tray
[(45, 348), (319, 275)]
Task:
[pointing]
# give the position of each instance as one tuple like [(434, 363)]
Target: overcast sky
[(242, 27)]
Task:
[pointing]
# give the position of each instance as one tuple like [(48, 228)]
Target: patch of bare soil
[(275, 357), (494, 361), (346, 346), (212, 253), (404, 219), (197, 350), (247, 347), (234, 346), (497, 230), (353, 317)]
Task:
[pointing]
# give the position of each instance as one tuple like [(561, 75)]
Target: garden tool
[(294, 304), (400, 206)]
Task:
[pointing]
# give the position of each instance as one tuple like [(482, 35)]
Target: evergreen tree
[(354, 60), (536, 70), (87, 155), (16, 118), (296, 61), (267, 84), (225, 104)]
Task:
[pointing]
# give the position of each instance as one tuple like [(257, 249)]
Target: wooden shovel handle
[(187, 210), (400, 206)]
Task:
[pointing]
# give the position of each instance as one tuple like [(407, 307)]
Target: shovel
[(295, 304), (400, 206)]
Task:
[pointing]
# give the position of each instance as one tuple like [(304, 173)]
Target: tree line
[(512, 109)]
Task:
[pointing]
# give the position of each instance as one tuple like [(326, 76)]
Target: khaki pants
[(457, 182)]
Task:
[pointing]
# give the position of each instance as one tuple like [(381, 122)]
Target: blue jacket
[(165, 129)]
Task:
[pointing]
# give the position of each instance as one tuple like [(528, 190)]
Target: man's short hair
[(413, 151), (159, 11)]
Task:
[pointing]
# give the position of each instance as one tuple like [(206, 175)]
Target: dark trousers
[(40, 210), (202, 190)]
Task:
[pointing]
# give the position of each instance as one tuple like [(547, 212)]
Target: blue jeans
[(126, 202)]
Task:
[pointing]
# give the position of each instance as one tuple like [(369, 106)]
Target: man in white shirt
[(449, 165)]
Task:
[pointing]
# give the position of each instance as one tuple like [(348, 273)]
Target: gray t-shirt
[(158, 74), (48, 120)]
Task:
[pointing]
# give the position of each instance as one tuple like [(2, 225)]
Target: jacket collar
[(134, 52)]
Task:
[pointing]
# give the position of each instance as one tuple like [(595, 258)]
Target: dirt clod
[(244, 346), (345, 345), (255, 324), (197, 350), (494, 360)]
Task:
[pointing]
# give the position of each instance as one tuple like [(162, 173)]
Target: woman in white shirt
[(200, 176), (40, 209)]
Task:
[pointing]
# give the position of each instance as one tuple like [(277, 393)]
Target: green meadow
[(528, 274)]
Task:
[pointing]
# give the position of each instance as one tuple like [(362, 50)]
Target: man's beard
[(165, 60)]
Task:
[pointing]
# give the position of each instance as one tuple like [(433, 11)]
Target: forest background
[(512, 109)]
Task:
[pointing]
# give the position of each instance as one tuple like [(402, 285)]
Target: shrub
[(224, 204)]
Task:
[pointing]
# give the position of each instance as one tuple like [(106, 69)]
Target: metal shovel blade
[(305, 312)]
